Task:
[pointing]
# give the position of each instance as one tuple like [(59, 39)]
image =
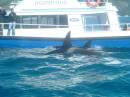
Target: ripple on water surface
[(31, 73)]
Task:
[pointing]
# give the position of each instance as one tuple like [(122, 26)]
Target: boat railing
[(32, 26), (87, 28), (106, 27), (97, 27)]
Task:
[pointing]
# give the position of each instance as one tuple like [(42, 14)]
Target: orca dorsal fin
[(87, 44), (67, 41)]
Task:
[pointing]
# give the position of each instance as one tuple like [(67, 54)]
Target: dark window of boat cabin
[(29, 22), (34, 21), (53, 21), (47, 21), (18, 21), (63, 21), (97, 22), (26, 22)]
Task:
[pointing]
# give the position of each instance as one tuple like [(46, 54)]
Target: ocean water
[(31, 73)]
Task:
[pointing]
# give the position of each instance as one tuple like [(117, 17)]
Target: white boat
[(43, 23)]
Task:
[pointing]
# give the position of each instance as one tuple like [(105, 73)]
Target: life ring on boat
[(93, 3)]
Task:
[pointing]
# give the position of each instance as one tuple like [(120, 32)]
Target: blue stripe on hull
[(118, 43), (30, 43)]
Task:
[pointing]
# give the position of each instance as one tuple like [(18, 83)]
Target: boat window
[(26, 20), (96, 22), (34, 20), (63, 21), (43, 21), (47, 21), (18, 20), (53, 21)]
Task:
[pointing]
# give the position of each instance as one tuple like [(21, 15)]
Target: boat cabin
[(61, 16)]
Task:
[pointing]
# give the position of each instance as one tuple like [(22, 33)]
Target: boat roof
[(37, 7)]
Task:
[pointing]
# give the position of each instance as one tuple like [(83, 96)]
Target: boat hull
[(27, 42)]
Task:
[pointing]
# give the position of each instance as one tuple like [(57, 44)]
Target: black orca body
[(68, 49)]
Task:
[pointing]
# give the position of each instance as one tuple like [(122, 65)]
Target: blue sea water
[(31, 73)]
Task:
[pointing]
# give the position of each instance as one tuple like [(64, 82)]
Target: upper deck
[(40, 7)]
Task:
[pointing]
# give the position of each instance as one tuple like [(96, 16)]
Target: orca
[(66, 45), (68, 49)]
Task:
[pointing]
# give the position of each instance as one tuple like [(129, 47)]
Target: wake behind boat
[(43, 23)]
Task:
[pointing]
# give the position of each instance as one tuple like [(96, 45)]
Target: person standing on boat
[(12, 19), (2, 16)]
